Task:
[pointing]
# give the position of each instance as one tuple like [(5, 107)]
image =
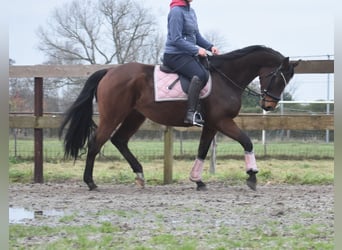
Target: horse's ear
[(285, 63), (295, 64)]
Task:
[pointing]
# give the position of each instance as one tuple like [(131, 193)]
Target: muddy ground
[(178, 207)]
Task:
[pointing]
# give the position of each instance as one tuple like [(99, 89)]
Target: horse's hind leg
[(101, 135), (121, 137)]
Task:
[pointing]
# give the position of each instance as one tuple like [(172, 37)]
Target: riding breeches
[(186, 65)]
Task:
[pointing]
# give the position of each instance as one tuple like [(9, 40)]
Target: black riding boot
[(192, 116)]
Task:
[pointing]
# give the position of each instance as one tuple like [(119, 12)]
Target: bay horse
[(125, 97)]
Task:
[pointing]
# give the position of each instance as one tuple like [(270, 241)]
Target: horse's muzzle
[(267, 108), (267, 105)]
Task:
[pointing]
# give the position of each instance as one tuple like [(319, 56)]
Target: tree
[(218, 40), (97, 32), (100, 32), (21, 95)]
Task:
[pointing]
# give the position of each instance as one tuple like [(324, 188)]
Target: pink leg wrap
[(196, 171), (250, 162)]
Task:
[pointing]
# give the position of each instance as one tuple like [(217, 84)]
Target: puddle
[(18, 215)]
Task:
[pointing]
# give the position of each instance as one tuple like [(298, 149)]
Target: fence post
[(38, 132), (168, 154)]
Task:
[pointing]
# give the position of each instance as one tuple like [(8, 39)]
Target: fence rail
[(249, 122), (244, 121), (22, 71)]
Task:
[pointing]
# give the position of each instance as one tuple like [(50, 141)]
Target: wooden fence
[(40, 121)]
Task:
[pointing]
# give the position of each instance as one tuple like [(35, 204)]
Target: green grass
[(187, 149), (282, 162), (232, 171), (271, 235)]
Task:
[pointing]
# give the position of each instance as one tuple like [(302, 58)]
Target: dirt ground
[(176, 205)]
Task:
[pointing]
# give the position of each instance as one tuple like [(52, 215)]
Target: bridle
[(273, 75), (265, 92)]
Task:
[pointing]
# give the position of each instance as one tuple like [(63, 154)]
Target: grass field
[(271, 171), (297, 237), (187, 149), (284, 162)]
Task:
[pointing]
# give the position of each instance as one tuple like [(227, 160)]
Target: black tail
[(79, 117)]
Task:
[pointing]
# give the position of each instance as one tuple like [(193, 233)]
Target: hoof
[(252, 180), (92, 186), (201, 186), (140, 182)]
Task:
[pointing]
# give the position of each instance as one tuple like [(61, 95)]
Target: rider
[(184, 44)]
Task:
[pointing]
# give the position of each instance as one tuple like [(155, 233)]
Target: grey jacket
[(183, 33)]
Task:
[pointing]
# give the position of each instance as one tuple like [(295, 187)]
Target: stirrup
[(194, 118), (197, 119)]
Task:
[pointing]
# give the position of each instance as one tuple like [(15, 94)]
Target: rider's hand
[(202, 52), (215, 51)]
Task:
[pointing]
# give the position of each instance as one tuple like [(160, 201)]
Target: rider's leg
[(193, 97), (190, 67)]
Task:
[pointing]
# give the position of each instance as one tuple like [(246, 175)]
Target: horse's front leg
[(203, 148), (251, 169), (229, 128)]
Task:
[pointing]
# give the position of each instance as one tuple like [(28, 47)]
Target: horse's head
[(273, 81)]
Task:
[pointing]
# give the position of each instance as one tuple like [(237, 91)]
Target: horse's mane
[(245, 51)]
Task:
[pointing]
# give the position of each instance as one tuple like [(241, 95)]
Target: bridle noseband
[(273, 75)]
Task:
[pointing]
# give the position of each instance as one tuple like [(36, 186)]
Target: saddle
[(170, 86), (185, 82)]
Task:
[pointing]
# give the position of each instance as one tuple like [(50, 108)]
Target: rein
[(250, 91)]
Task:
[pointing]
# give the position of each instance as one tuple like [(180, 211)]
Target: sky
[(300, 29)]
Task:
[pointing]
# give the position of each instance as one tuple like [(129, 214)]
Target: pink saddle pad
[(163, 91)]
